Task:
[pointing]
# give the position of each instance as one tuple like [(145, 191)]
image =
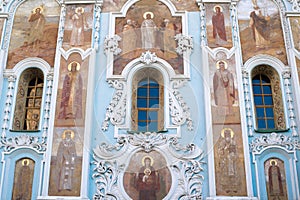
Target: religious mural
[(295, 25), (78, 26), (148, 25), (147, 176), (226, 125), (275, 179), (218, 25), (116, 5), (66, 162), (34, 32), (66, 159), (260, 29), (71, 98), (23, 178)]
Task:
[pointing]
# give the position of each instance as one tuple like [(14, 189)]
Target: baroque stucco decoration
[(184, 44), (186, 164), (111, 45), (116, 111), (259, 144)]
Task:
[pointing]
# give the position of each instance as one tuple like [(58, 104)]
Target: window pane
[(256, 80), (261, 124), (260, 112), (153, 116), (267, 89), (265, 79), (153, 103), (269, 112), (141, 103), (154, 92), (271, 124), (256, 89), (142, 92), (142, 115), (142, 126), (258, 100), (152, 126), (268, 100)]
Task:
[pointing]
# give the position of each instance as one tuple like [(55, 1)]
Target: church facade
[(150, 99)]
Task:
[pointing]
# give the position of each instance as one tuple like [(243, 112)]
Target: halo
[(70, 66), (40, 7), (225, 64), (146, 13), (23, 162), (221, 9), (64, 134), (77, 10), (151, 159), (272, 161), (225, 129)]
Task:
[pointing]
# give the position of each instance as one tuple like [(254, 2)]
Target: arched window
[(147, 101), (148, 105), (29, 100), (263, 101), (267, 97)]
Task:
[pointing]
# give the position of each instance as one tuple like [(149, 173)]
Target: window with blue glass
[(148, 105), (263, 101)]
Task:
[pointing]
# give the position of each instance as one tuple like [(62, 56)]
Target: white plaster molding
[(235, 25), (164, 67), (259, 144), (83, 53), (202, 22), (179, 111), (262, 59), (97, 24), (289, 98), (111, 45), (184, 44), (116, 111), (148, 58), (10, 143), (214, 52), (247, 98), (8, 105), (61, 29), (47, 106), (185, 161), (28, 63)]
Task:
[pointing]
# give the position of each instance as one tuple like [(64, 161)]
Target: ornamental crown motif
[(148, 57), (268, 140)]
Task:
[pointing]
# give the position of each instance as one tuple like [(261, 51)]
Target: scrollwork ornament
[(116, 111), (106, 179), (179, 110), (147, 140), (8, 144), (111, 44), (259, 144), (148, 58), (184, 44), (190, 179)]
